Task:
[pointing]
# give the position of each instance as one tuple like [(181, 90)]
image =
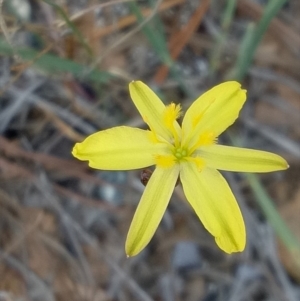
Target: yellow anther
[(200, 163), (165, 161), (171, 113), (204, 139)]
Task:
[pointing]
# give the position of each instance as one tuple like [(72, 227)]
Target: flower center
[(180, 153)]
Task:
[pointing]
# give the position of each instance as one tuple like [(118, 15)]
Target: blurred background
[(65, 66)]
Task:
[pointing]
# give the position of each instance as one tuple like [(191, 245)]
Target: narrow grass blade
[(53, 64), (253, 37), (271, 213), (158, 41), (222, 36), (74, 29), (156, 38), (281, 229)]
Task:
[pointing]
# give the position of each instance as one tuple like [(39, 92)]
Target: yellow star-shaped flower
[(190, 152)]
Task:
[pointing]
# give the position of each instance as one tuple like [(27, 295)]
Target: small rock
[(186, 256), (247, 272)]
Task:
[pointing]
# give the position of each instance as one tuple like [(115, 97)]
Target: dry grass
[(64, 73)]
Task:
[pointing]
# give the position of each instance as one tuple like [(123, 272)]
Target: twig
[(124, 38), (90, 9), (7, 114), (269, 75), (180, 39), (131, 19), (45, 189), (278, 139), (41, 290), (5, 31)]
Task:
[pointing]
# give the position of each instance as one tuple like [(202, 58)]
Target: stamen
[(200, 163), (171, 113), (196, 122), (205, 139), (165, 161)]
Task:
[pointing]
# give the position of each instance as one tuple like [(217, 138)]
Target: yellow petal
[(151, 209), (214, 111), (210, 196), (150, 107), (119, 148), (241, 159)]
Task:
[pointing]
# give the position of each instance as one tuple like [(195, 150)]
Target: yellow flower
[(190, 152)]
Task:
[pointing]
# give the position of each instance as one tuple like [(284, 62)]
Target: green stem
[(253, 37)]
